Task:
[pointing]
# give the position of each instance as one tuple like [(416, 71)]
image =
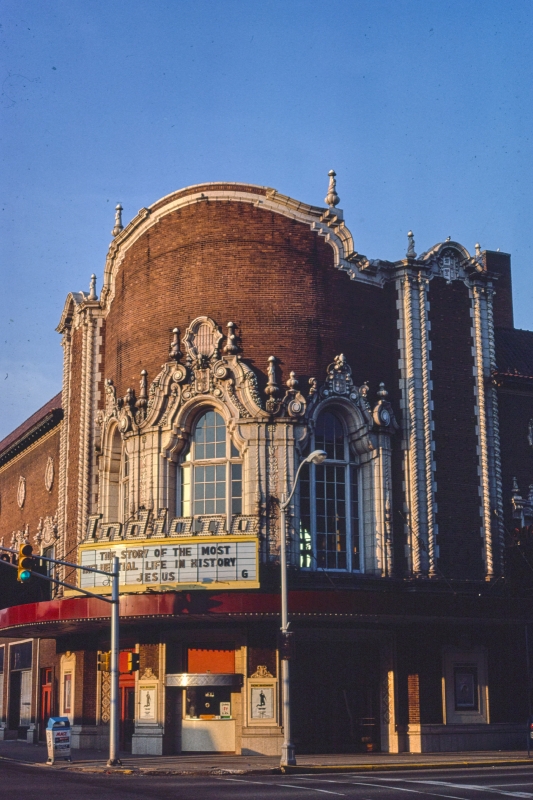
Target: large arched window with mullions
[(211, 471), (329, 502)]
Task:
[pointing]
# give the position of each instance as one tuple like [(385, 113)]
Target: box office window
[(207, 659), (208, 702), (20, 655)]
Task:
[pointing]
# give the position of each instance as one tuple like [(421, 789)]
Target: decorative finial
[(478, 250), (515, 489), (332, 198), (175, 351), (292, 383), (142, 401), (383, 393), (448, 238), (411, 247), (231, 342), (118, 220), (92, 290), (272, 388)]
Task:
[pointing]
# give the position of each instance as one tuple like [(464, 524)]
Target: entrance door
[(14, 700), (20, 701), (127, 717), (45, 706), (335, 690)]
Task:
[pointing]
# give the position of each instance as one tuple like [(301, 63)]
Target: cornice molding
[(31, 439)]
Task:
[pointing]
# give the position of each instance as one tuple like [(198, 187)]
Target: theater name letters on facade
[(208, 559)]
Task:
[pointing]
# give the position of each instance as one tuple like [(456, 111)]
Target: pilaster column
[(427, 405), (66, 344), (413, 422), (488, 427)]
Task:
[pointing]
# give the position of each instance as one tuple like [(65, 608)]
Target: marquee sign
[(211, 559)]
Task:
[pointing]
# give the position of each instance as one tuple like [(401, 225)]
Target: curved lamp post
[(287, 750)]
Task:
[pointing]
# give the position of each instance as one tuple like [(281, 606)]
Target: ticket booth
[(201, 701)]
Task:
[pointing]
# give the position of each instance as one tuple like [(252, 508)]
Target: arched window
[(125, 486), (211, 472), (117, 496), (329, 502)]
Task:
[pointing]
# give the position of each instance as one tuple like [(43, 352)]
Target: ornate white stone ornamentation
[(49, 474), (261, 672), (411, 246), (202, 339), (332, 198), (21, 492), (118, 227)]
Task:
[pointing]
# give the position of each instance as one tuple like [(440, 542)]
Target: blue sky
[(423, 107)]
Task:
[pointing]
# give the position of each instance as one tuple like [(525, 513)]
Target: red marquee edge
[(54, 617)]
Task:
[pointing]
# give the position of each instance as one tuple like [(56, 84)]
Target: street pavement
[(93, 760), (26, 782)]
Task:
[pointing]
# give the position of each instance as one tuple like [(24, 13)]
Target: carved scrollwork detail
[(21, 492), (49, 474), (202, 340), (383, 414), (262, 672)]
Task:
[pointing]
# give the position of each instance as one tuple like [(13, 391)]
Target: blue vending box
[(58, 739)]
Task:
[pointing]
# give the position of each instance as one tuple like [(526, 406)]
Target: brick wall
[(270, 275), (39, 502), (515, 410), (149, 657), (455, 437), (500, 264)]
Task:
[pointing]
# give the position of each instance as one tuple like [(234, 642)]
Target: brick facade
[(435, 469)]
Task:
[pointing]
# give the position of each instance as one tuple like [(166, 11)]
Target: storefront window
[(329, 502), (211, 472)]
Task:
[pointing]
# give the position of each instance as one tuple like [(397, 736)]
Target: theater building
[(236, 331)]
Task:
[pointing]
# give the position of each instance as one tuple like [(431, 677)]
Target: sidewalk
[(95, 761)]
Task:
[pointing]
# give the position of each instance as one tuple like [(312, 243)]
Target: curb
[(303, 770), (288, 770)]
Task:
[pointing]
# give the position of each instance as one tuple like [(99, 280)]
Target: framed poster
[(465, 686), (148, 703), (262, 702), (67, 693)]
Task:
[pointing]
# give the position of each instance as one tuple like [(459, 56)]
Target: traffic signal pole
[(114, 709), (113, 760)]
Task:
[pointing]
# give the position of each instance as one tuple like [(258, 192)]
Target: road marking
[(472, 787), (396, 788), (285, 785)]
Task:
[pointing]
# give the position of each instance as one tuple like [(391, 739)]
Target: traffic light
[(285, 645), (25, 563), (133, 662), (104, 662), (128, 662)]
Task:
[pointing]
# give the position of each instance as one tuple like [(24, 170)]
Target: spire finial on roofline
[(118, 220), (332, 198)]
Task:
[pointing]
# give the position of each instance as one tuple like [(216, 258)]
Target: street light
[(287, 749)]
